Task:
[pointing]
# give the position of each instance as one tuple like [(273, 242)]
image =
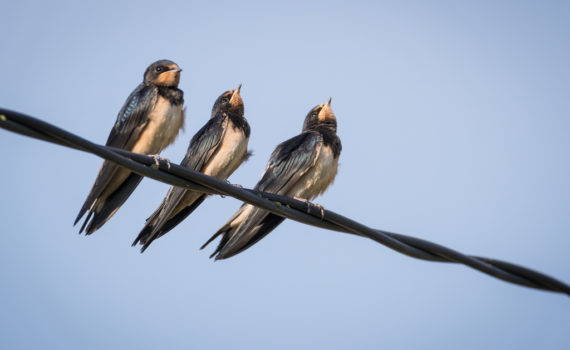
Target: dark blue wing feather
[(133, 117), (290, 160), (205, 142)]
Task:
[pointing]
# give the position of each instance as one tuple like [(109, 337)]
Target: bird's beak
[(326, 111), (327, 106), (236, 93)]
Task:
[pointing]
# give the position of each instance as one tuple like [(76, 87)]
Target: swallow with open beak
[(217, 149), (301, 167), (149, 121)]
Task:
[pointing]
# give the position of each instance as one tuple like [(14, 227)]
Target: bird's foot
[(309, 204), (304, 201), (321, 208), (157, 160)]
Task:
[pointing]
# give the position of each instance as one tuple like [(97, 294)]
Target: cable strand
[(287, 207)]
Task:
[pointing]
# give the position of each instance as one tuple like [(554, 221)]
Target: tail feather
[(85, 222), (214, 236), (106, 174), (82, 212), (268, 224), (102, 213), (225, 238), (149, 226), (150, 233), (145, 232), (230, 226), (183, 214)]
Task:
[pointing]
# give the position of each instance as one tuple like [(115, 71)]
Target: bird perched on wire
[(301, 167), (149, 121), (217, 149)]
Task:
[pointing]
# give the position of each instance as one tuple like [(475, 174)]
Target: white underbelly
[(229, 155), (223, 163), (318, 178), (165, 121)]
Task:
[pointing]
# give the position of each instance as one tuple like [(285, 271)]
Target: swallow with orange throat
[(217, 149), (148, 122), (302, 167)]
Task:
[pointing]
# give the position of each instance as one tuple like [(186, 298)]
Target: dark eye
[(315, 113), (225, 100), (158, 69)]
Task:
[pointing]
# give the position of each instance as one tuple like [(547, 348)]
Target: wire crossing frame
[(289, 208)]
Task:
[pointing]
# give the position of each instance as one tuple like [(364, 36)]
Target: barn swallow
[(217, 149), (301, 167), (149, 121)]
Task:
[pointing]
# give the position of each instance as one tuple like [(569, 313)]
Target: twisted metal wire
[(290, 208)]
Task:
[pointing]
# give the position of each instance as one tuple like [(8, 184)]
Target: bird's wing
[(201, 150), (205, 143), (131, 121), (289, 162), (133, 117)]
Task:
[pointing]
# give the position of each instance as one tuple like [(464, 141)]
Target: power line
[(290, 208)]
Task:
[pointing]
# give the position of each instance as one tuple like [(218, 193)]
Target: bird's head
[(229, 102), (163, 73), (320, 115)]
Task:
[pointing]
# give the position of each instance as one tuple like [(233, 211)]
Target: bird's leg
[(321, 208), (157, 160), (304, 201), (309, 204)]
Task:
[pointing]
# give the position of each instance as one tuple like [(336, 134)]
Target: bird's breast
[(229, 155), (165, 121), (319, 177)]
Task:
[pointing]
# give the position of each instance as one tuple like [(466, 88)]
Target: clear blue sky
[(455, 122)]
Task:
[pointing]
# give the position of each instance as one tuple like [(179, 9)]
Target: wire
[(290, 208)]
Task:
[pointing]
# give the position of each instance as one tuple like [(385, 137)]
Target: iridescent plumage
[(149, 120), (217, 149), (303, 167)]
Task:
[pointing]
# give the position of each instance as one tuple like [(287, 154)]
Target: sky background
[(455, 122)]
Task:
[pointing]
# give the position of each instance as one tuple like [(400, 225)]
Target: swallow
[(149, 121), (302, 167), (217, 149)]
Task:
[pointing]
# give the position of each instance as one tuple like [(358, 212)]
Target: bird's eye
[(225, 100), (315, 113), (159, 69)]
